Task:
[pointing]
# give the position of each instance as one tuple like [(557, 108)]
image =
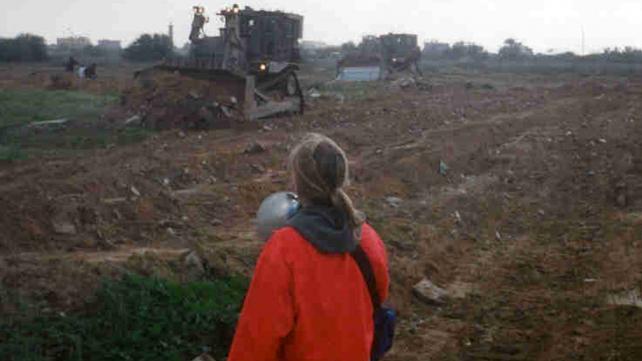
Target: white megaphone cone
[(274, 212)]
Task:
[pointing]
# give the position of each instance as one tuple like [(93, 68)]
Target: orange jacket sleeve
[(268, 312)]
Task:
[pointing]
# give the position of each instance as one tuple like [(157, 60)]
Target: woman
[(308, 299)]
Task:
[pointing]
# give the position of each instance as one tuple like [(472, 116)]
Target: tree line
[(155, 47), (33, 48), (513, 50), (23, 48)]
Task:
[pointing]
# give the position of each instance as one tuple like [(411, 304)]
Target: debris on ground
[(443, 168), (193, 261), (47, 123), (430, 293), (204, 357), (133, 120), (254, 148), (135, 191), (404, 83), (394, 202), (64, 227), (627, 298)]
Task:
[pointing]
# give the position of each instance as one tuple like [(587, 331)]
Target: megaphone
[(274, 213)]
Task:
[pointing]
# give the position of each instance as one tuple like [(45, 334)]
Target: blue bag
[(384, 317)]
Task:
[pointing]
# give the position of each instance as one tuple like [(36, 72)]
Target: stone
[(204, 357), (430, 293), (64, 227), (193, 261), (257, 168), (458, 217), (404, 83), (254, 148), (394, 202), (135, 191)]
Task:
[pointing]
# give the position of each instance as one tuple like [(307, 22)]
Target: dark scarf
[(326, 228)]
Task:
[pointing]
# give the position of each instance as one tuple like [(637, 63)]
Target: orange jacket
[(305, 305)]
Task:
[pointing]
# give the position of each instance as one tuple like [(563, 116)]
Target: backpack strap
[(360, 256)]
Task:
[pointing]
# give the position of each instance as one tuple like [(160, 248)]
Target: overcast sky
[(541, 24)]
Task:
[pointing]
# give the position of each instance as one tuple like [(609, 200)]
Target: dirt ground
[(519, 195)]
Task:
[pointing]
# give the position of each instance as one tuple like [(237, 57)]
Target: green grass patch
[(135, 318), (11, 152), (24, 106), (21, 107)]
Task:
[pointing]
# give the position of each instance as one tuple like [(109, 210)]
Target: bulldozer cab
[(379, 57), (400, 53), (398, 45), (271, 36), (248, 39)]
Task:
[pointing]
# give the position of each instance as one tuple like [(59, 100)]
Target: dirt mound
[(164, 100)]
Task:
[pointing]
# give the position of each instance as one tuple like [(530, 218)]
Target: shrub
[(135, 318), (149, 48)]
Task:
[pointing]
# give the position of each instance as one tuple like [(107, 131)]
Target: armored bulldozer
[(400, 52), (256, 51), (377, 58)]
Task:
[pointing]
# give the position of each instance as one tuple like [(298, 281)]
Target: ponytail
[(320, 169)]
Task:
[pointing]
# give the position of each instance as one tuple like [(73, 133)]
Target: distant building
[(308, 44), (110, 45), (73, 42), (435, 48)]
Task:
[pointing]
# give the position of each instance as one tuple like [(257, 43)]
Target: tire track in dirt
[(473, 270)]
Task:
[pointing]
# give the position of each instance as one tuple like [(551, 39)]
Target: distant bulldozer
[(400, 52), (254, 57), (381, 57)]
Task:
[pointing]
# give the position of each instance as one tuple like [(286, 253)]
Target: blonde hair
[(320, 170)]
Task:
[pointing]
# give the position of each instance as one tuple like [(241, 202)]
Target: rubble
[(163, 100)]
